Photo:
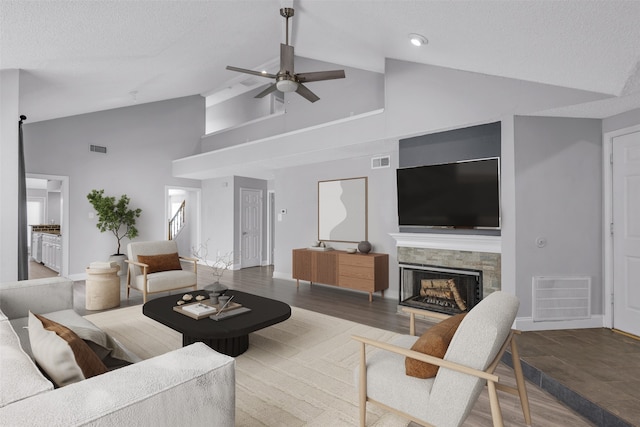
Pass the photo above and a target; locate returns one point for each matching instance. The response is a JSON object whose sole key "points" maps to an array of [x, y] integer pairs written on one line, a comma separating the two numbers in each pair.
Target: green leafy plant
{"points": [[113, 216]]}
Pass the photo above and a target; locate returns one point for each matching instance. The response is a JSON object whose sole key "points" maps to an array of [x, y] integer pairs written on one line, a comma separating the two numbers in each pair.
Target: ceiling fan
{"points": [[287, 80]]}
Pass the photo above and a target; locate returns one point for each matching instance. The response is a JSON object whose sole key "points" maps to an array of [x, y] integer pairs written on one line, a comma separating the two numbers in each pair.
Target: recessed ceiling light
{"points": [[417, 39]]}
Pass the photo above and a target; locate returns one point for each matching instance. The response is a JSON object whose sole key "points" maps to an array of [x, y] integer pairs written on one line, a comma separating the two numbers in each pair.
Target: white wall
{"points": [[425, 98], [237, 110], [141, 142], [218, 215], [558, 167], [297, 192], [9, 117], [54, 207]]}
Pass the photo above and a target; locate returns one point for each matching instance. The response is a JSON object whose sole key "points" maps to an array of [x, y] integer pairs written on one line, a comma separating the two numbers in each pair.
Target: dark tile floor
{"points": [[594, 371]]}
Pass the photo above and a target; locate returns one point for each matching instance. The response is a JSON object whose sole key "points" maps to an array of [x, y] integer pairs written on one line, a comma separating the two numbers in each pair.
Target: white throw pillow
{"points": [[64, 356]]}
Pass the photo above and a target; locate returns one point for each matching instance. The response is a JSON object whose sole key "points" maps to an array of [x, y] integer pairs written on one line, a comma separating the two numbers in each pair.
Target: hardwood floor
{"points": [[341, 303], [39, 271], [381, 313]]}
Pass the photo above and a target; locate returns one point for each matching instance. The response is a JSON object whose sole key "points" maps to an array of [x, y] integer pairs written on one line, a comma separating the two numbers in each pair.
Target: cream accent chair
{"points": [[140, 279], [471, 358]]}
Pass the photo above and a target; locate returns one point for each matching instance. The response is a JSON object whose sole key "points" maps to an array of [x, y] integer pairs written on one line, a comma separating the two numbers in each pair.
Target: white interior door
{"points": [[250, 227], [626, 238]]}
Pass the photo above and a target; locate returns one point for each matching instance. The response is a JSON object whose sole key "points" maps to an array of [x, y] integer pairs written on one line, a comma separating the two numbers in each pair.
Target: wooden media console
{"points": [[363, 272]]}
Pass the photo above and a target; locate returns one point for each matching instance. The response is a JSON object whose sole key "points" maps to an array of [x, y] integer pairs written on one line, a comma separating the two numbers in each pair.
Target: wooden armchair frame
{"points": [[492, 380], [145, 268]]}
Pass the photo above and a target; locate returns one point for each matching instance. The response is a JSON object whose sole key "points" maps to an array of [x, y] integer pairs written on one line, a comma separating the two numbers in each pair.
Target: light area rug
{"points": [[301, 373]]}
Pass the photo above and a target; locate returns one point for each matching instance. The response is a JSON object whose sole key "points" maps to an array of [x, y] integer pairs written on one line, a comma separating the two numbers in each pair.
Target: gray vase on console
{"points": [[364, 247]]}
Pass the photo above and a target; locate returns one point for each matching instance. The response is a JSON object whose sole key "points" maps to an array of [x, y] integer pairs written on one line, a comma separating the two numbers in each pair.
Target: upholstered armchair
{"points": [[471, 357], [156, 267]]}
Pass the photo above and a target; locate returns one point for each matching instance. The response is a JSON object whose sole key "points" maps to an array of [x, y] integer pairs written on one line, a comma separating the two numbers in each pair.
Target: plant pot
{"points": [[119, 259], [216, 287]]}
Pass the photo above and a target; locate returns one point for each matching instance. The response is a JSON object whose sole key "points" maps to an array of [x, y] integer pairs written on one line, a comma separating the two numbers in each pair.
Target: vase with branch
{"points": [[218, 265]]}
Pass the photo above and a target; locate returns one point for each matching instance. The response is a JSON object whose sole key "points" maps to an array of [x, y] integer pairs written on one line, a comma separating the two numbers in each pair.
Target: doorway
{"points": [[622, 241], [250, 227], [183, 220], [55, 202], [271, 226]]}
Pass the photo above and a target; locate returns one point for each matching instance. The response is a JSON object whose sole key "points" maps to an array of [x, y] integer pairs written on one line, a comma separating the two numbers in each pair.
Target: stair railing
{"points": [[177, 222]]}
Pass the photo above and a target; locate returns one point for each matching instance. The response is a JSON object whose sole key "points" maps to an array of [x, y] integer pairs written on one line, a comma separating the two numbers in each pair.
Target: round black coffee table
{"points": [[229, 336]]}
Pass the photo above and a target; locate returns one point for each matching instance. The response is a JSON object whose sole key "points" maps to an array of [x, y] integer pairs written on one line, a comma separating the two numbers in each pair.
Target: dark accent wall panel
{"points": [[475, 142]]}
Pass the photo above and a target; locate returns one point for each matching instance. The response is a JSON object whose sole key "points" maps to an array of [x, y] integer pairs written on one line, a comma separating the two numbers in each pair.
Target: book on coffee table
{"points": [[203, 309], [200, 309]]}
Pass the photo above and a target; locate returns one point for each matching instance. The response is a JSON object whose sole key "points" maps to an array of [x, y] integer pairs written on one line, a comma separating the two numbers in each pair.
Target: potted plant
{"points": [[115, 217]]}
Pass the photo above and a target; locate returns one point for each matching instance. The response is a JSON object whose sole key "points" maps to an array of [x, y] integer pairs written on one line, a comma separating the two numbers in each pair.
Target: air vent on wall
{"points": [[561, 298], [98, 149], [379, 162]]}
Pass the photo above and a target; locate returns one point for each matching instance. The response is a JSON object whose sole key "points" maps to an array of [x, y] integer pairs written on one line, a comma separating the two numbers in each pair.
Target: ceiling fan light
{"points": [[417, 39], [287, 86]]}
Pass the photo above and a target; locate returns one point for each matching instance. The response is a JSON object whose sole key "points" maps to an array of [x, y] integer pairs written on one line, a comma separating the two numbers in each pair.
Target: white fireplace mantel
{"points": [[454, 242]]}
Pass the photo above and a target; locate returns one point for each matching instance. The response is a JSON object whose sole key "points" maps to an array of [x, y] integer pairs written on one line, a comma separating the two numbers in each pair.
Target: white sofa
{"points": [[194, 385]]}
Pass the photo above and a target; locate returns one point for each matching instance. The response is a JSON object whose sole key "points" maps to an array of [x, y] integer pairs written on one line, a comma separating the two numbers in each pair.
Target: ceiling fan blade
{"points": [[320, 75], [286, 59], [306, 93], [267, 91], [255, 73]]}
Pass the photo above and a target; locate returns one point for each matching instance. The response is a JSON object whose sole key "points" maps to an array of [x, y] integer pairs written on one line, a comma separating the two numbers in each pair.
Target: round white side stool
{"points": [[102, 288]]}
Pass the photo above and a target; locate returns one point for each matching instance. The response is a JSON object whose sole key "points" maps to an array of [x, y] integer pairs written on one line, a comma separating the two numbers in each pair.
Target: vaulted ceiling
{"points": [[79, 57]]}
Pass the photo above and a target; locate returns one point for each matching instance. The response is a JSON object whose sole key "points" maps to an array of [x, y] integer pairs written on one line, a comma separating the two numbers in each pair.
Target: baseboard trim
{"points": [[283, 276], [527, 324], [77, 277]]}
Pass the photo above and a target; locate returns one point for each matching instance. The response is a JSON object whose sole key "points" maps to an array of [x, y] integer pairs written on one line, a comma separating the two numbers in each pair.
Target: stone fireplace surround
{"points": [[473, 252]]}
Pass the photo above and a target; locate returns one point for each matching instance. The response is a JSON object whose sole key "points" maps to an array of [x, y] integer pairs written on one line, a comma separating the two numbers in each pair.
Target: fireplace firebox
{"points": [[442, 289]]}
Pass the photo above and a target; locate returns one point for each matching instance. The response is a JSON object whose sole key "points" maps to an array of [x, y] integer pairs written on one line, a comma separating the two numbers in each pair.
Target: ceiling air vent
{"points": [[380, 162], [98, 149]]}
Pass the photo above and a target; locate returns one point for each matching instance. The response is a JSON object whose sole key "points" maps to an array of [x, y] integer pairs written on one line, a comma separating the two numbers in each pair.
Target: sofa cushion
{"points": [[20, 376], [382, 365], [166, 280], [112, 353], [62, 354], [433, 342], [162, 262], [38, 295]]}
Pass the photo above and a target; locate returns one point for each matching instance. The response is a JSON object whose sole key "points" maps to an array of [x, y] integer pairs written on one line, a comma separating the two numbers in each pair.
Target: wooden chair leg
{"points": [[522, 390], [363, 385], [496, 413], [412, 324]]}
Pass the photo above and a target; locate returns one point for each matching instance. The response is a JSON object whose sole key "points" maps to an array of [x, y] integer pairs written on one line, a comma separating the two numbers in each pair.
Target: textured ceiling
{"points": [[87, 56]]}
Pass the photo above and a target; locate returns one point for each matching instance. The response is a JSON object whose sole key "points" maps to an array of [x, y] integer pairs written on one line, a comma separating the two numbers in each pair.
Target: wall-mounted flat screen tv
{"points": [[453, 195]]}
